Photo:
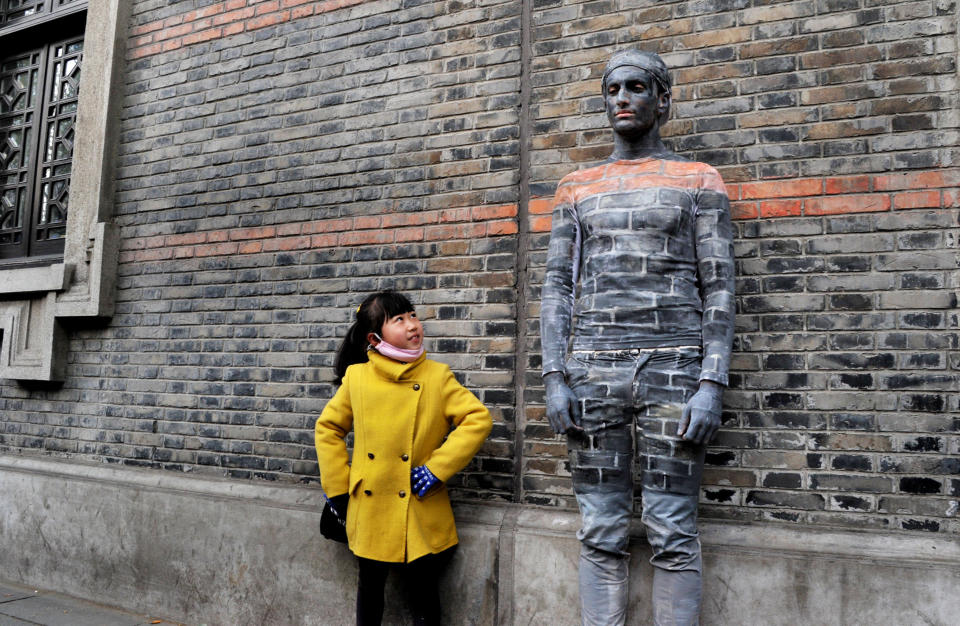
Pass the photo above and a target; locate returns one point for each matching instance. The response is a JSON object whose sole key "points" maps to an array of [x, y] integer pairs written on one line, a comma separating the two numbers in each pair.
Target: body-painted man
{"points": [[640, 277]]}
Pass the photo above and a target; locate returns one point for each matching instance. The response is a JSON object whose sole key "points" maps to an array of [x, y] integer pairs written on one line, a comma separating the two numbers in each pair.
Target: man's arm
{"points": [[556, 311], [714, 249]]}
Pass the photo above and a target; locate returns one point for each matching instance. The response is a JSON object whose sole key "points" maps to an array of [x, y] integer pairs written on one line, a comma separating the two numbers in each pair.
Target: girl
{"points": [[401, 406]]}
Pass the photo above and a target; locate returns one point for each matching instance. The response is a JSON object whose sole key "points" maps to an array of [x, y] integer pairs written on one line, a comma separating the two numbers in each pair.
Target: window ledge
{"points": [[40, 19], [32, 279]]}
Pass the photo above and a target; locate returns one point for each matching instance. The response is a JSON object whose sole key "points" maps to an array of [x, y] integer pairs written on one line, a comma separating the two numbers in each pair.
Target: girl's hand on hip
{"points": [[423, 480]]}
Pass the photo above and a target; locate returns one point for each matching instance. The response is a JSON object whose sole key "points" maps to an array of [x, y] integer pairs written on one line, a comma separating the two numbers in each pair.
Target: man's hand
{"points": [[563, 409], [701, 415]]}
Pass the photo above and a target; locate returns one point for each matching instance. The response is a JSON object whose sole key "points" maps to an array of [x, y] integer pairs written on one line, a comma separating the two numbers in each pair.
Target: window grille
{"points": [[39, 89]]}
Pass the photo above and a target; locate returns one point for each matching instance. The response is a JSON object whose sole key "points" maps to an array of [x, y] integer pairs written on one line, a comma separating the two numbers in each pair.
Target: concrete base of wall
{"points": [[207, 551]]}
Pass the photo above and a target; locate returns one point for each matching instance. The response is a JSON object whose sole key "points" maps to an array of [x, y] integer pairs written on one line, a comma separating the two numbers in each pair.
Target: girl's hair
{"points": [[372, 313]]}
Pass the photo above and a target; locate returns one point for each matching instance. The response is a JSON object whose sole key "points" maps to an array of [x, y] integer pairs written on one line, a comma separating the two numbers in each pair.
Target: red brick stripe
{"points": [[222, 19], [426, 226], [867, 193]]}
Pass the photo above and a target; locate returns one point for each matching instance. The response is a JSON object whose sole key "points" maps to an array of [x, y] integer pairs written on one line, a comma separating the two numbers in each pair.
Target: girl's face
{"points": [[403, 331]]}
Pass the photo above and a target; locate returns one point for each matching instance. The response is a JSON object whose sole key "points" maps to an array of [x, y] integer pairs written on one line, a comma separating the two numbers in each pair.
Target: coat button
{"points": [[370, 455], [403, 494], [368, 492], [404, 457], [416, 387]]}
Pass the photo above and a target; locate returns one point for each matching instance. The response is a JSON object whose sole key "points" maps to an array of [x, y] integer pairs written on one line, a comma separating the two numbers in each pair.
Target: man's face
{"points": [[632, 101]]}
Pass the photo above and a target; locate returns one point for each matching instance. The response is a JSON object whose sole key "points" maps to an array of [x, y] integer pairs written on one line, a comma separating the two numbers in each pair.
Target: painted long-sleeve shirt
{"points": [[641, 256]]}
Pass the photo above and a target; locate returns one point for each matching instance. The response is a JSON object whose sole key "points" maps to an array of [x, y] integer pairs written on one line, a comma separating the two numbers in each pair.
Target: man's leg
{"points": [[672, 470], [604, 583], [601, 461], [604, 487], [671, 521]]}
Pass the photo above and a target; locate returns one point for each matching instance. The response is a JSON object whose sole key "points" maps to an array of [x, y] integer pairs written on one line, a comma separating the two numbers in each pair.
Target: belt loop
{"points": [[642, 358]]}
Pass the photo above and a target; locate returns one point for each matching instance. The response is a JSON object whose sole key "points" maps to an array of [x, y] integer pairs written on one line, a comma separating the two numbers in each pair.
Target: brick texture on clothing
{"points": [[641, 256]]}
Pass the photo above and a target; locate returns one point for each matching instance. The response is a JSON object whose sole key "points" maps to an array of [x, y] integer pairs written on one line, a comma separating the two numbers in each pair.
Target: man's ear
{"points": [[664, 100]]}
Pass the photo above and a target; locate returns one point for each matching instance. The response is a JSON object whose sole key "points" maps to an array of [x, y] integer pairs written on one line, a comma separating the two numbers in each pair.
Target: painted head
{"points": [[636, 92], [385, 317]]}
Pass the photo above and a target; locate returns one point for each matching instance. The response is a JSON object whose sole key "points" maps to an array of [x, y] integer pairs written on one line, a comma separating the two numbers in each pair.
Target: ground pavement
{"points": [[28, 606]]}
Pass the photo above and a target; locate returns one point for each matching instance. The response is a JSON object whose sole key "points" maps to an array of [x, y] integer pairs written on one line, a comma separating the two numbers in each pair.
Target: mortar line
{"points": [[523, 243], [505, 565]]}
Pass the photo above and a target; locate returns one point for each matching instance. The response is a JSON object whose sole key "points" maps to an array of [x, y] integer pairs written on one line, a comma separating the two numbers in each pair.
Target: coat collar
{"points": [[390, 369]]}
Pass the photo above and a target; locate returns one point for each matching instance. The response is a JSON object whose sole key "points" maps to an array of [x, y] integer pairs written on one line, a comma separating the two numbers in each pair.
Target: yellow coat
{"points": [[400, 413]]}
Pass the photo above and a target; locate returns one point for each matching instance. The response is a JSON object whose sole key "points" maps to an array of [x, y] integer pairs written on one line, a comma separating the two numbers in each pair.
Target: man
{"points": [[640, 276]]}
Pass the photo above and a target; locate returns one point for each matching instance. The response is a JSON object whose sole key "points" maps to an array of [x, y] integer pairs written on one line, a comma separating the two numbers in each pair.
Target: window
{"points": [[58, 242], [41, 55]]}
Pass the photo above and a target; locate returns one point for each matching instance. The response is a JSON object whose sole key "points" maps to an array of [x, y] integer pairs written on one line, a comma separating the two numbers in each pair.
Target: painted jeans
{"points": [[631, 403]]}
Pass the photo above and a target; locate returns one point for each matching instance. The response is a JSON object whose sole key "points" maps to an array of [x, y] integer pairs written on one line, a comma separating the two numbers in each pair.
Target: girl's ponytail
{"points": [[352, 350], [371, 315]]}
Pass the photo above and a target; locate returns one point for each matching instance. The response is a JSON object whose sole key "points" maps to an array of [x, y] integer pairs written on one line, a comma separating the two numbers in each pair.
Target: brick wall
{"points": [[277, 162], [281, 159]]}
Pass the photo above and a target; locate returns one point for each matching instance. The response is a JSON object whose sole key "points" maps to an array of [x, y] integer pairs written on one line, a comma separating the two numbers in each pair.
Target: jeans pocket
{"points": [[688, 360]]}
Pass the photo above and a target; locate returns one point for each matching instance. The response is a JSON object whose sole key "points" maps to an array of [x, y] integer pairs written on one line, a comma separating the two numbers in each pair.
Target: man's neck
{"points": [[649, 146]]}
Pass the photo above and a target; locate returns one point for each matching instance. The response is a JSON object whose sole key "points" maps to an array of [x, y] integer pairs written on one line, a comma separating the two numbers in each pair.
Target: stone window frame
{"points": [[35, 302]]}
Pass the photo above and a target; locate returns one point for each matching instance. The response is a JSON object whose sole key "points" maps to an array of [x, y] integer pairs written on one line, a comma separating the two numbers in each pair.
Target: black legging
{"points": [[421, 579]]}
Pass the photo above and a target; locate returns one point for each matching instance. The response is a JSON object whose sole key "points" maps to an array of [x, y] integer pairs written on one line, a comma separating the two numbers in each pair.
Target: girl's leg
{"points": [[373, 576], [423, 581]]}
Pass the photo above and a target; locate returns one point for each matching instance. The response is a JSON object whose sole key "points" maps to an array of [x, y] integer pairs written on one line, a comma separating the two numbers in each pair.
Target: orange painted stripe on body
{"points": [[830, 195]]}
